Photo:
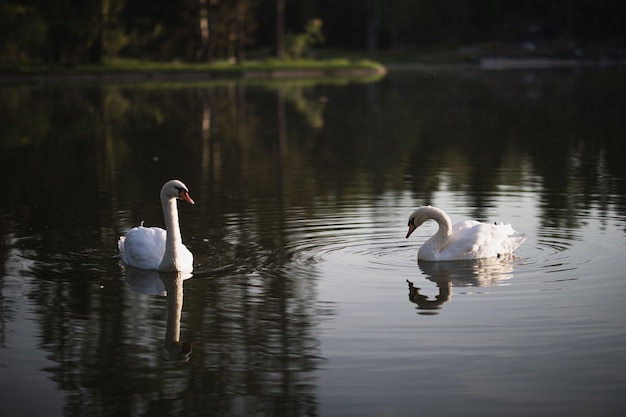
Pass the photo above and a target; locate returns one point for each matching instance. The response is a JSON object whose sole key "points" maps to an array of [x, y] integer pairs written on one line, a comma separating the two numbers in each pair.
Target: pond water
{"points": [[306, 298]]}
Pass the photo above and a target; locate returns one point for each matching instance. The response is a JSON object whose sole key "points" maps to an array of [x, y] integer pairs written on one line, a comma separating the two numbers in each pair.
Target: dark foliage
{"points": [[69, 32]]}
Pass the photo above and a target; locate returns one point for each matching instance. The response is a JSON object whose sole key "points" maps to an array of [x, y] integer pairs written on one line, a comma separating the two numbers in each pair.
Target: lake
{"points": [[306, 298]]}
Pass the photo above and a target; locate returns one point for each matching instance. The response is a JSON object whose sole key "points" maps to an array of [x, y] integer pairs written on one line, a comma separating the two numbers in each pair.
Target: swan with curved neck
{"points": [[468, 239], [155, 248]]}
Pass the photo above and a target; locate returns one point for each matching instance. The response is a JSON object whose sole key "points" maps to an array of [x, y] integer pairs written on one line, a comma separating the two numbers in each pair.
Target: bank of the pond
{"points": [[124, 70]]}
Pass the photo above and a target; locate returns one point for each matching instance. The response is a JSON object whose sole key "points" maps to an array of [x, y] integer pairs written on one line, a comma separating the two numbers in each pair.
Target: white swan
{"points": [[155, 248], [468, 239]]}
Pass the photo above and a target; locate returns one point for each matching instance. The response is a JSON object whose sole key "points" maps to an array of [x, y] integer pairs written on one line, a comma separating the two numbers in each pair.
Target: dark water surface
{"points": [[306, 299]]}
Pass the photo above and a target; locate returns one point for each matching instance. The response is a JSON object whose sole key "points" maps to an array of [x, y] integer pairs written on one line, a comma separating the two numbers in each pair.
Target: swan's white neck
{"points": [[440, 239], [444, 222], [173, 240]]}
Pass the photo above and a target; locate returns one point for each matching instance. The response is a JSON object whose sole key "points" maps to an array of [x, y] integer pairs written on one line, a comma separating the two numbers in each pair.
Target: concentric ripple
{"points": [[352, 244], [365, 242]]}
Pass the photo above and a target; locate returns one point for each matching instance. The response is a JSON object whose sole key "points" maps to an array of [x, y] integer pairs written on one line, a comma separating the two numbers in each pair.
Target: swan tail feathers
{"points": [[120, 246], [516, 240]]}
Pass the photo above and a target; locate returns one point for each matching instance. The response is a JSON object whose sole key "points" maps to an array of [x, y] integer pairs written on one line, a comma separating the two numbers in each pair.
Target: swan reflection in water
{"points": [[169, 284], [471, 273]]}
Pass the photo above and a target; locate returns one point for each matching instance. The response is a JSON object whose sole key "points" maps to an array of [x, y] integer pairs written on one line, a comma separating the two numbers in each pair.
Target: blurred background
{"points": [[70, 32], [306, 298]]}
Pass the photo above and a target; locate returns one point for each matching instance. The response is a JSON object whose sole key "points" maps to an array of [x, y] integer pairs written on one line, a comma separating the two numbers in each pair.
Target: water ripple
{"points": [[353, 245]]}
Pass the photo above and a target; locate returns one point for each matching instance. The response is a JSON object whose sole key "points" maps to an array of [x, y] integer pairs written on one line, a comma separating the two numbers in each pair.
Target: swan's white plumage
{"points": [[155, 248], [465, 240], [143, 247]]}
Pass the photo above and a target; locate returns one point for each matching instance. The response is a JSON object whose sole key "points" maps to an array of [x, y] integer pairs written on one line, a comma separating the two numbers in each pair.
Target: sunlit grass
{"points": [[270, 66]]}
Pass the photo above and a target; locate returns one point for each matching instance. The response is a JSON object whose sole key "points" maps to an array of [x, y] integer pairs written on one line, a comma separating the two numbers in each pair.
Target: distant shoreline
{"points": [[137, 71], [538, 62], [147, 71]]}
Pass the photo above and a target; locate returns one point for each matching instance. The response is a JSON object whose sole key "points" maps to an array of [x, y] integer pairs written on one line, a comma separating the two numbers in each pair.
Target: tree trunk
{"points": [[202, 51], [373, 22], [280, 29], [240, 23], [96, 52]]}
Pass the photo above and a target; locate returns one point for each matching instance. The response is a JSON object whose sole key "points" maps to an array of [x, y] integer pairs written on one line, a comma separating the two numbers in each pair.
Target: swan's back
{"points": [[470, 239], [143, 247]]}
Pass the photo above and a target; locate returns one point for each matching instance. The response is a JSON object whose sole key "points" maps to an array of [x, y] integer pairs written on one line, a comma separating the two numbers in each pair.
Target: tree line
{"points": [[69, 32]]}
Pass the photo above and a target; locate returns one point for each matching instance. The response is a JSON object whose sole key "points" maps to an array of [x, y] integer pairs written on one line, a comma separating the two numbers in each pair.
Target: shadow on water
{"points": [[245, 343], [461, 274], [169, 284]]}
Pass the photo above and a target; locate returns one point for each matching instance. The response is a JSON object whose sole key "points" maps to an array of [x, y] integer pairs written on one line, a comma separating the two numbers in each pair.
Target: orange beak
{"points": [[184, 195], [411, 229]]}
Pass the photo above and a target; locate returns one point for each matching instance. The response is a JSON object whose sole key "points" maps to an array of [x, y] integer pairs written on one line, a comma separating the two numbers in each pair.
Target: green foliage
{"points": [[72, 32], [22, 32], [298, 44], [113, 34], [114, 41]]}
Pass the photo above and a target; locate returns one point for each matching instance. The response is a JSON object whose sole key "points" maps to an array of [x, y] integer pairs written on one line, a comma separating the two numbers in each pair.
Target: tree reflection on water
{"points": [[84, 161]]}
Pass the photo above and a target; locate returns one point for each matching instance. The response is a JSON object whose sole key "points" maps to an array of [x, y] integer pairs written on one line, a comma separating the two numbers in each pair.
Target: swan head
{"points": [[415, 221], [175, 189], [418, 217]]}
